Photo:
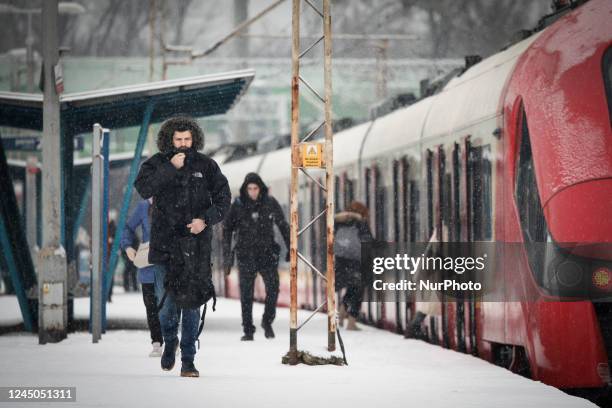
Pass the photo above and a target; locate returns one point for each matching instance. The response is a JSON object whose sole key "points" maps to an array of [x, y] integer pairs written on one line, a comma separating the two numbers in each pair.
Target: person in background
{"points": [[351, 229], [130, 271], [112, 228], [141, 217], [252, 216]]}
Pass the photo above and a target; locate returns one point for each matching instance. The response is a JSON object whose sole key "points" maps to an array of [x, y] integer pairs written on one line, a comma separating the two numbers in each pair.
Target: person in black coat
{"points": [[253, 216], [190, 195]]}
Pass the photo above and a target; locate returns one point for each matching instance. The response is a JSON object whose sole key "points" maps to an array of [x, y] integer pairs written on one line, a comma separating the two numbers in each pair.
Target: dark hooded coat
{"points": [[253, 222], [197, 190]]}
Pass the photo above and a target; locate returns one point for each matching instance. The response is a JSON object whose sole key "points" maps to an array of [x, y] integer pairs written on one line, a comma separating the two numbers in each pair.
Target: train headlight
{"points": [[569, 273], [602, 278]]}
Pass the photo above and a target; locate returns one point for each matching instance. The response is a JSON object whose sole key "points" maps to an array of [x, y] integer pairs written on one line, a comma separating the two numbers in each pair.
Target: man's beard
{"points": [[187, 151]]}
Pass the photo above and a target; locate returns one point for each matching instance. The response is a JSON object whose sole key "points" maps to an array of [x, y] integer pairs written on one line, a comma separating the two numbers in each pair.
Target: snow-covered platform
{"points": [[384, 369]]}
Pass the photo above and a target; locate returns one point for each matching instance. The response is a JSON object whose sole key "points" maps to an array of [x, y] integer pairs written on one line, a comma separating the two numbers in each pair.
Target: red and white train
{"points": [[518, 148]]}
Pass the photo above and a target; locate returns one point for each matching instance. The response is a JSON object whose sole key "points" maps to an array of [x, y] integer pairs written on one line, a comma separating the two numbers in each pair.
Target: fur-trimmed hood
{"points": [[181, 124]]}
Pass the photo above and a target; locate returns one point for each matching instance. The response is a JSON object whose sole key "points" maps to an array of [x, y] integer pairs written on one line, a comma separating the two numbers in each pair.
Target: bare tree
{"points": [[454, 28], [448, 28]]}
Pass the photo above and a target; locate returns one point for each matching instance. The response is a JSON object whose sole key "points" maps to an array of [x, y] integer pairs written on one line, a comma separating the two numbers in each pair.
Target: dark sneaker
{"points": [[268, 332], [169, 355], [247, 337], [189, 370]]}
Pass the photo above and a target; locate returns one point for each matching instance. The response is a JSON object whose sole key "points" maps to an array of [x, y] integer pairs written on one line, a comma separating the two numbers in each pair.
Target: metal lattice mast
{"points": [[312, 155]]}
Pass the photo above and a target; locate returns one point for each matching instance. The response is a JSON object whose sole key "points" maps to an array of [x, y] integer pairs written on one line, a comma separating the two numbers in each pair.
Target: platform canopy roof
{"points": [[124, 106]]}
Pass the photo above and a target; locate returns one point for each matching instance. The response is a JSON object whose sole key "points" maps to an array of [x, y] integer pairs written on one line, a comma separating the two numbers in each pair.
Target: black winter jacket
{"points": [[253, 222], [197, 190]]}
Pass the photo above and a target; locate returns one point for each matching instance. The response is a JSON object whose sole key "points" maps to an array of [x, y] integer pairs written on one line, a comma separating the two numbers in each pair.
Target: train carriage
{"points": [[516, 149]]}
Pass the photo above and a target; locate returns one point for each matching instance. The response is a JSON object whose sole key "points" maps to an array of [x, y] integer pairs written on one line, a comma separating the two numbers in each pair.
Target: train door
{"points": [[398, 232], [366, 305], [445, 234], [386, 199], [376, 202], [402, 229], [411, 227], [480, 195], [460, 232], [432, 307], [378, 213], [445, 321]]}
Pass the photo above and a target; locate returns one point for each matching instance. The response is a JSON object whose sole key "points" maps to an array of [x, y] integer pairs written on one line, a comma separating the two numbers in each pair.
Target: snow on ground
{"points": [[127, 307], [384, 369], [10, 314]]}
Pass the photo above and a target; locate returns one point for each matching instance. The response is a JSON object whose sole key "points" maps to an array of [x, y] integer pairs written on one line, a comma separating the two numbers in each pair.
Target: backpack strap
{"points": [[201, 328]]}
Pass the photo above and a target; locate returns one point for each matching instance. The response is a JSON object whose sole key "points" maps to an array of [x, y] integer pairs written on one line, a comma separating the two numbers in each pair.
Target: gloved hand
{"points": [[227, 269], [288, 257]]}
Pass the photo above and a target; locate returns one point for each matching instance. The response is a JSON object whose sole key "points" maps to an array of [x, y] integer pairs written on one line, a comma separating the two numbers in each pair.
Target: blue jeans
{"points": [[170, 315]]}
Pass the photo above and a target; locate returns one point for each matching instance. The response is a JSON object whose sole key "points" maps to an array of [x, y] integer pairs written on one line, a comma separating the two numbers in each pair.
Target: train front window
{"points": [[528, 202], [531, 213]]}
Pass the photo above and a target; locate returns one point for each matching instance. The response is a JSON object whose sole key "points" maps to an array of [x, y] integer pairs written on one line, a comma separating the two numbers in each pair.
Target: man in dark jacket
{"points": [[252, 216], [189, 196]]}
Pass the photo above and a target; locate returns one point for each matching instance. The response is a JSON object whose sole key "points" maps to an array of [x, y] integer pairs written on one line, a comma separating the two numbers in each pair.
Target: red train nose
{"points": [[581, 215]]}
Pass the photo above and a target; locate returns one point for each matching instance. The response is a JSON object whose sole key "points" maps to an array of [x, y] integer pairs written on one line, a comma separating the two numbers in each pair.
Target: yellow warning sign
{"points": [[312, 154]]}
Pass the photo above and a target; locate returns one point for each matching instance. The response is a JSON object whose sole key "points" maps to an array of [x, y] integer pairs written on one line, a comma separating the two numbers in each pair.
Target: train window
{"points": [[430, 218], [531, 213], [444, 196], [436, 194], [407, 203], [398, 202], [607, 70], [479, 162], [410, 203], [413, 218], [301, 216], [349, 190], [311, 231], [338, 199], [368, 181], [530, 209], [370, 197], [380, 203], [455, 233], [322, 228]]}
